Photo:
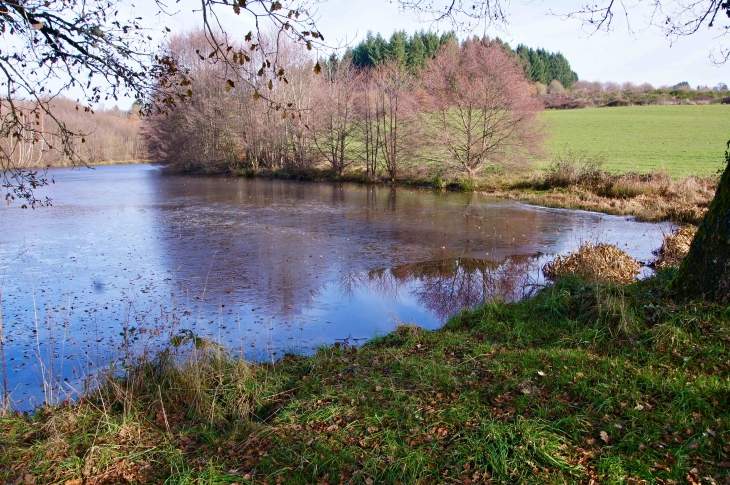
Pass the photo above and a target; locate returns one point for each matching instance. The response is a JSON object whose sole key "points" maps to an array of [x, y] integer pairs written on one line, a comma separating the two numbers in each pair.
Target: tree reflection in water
{"points": [[445, 286]]}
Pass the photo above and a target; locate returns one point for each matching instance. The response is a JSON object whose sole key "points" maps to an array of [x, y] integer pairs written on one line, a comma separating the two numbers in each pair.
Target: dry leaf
{"points": [[76, 481], [604, 437], [639, 407], [541, 373], [378, 388]]}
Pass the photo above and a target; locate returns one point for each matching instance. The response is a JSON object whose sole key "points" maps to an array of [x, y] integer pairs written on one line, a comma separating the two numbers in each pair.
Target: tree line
{"points": [[469, 108], [414, 51], [109, 135]]}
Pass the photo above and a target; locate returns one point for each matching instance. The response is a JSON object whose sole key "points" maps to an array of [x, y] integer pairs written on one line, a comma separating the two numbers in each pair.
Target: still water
{"points": [[128, 256]]}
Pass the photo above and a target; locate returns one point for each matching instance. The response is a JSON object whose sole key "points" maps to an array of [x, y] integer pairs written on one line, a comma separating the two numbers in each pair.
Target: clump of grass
{"points": [[675, 247], [601, 263], [570, 168], [193, 381]]}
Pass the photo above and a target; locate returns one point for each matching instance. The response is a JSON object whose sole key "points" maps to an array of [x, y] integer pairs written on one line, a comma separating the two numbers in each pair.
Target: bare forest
{"points": [[384, 122], [107, 135]]}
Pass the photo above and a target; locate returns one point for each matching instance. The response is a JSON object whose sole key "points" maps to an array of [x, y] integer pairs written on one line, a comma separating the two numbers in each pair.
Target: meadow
{"points": [[681, 140]]}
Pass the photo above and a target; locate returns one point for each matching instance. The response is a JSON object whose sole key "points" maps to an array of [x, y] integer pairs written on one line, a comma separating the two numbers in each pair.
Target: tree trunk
{"points": [[705, 272]]}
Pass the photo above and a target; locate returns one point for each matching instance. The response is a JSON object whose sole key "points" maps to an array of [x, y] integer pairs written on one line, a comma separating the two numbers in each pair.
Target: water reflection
{"points": [[445, 286], [261, 265]]}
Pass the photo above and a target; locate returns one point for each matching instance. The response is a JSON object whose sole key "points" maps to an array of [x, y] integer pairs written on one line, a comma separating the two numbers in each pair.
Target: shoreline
{"points": [[652, 197], [491, 397]]}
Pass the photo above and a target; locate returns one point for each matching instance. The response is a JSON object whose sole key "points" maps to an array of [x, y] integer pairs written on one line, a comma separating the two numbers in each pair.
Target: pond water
{"points": [[128, 256]]}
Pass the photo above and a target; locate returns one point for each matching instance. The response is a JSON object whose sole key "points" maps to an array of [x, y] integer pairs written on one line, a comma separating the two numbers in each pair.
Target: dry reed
{"points": [[675, 247], [602, 263]]}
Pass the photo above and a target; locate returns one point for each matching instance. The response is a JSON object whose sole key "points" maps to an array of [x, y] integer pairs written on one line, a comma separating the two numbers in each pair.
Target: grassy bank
{"points": [[582, 384], [678, 140]]}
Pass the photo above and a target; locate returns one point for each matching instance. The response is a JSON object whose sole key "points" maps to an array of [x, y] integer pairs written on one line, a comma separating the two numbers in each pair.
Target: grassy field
{"points": [[683, 140], [615, 385]]}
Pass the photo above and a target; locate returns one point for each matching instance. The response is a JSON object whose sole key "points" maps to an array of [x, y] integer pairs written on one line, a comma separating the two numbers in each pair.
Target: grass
{"points": [[681, 140], [583, 383]]}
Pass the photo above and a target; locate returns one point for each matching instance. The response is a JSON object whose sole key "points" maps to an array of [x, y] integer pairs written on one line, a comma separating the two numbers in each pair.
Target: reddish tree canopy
{"points": [[482, 101]]}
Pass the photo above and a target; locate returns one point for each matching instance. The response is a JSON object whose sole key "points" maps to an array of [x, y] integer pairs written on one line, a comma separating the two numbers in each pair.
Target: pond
{"points": [[128, 256]]}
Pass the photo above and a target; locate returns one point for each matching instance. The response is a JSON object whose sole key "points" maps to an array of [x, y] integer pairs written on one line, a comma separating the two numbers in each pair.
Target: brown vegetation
{"points": [[102, 136], [576, 181], [675, 247], [602, 263]]}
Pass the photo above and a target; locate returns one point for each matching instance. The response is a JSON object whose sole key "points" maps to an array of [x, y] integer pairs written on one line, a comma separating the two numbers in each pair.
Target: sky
{"points": [[638, 56]]}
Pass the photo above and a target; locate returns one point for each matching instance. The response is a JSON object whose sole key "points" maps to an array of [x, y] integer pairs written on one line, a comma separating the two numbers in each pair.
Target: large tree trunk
{"points": [[705, 272]]}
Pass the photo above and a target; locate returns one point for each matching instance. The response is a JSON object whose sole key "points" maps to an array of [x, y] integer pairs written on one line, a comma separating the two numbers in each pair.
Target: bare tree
{"points": [[396, 116], [369, 123], [225, 127], [335, 112], [482, 103]]}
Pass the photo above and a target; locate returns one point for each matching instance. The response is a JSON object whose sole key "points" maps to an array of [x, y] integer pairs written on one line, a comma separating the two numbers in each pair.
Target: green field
{"points": [[683, 140]]}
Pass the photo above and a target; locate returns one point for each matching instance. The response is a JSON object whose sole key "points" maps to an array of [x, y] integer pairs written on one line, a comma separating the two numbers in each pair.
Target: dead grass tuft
{"points": [[675, 247], [602, 263]]}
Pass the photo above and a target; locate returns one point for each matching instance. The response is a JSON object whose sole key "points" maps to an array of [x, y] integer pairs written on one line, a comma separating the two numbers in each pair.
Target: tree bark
{"points": [[705, 272]]}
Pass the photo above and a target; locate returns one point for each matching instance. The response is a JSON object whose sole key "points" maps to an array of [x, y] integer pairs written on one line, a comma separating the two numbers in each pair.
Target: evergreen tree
{"points": [[416, 53], [397, 47], [538, 73], [431, 42]]}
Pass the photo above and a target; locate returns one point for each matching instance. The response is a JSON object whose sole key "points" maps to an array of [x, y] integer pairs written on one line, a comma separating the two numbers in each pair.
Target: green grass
{"points": [[617, 384], [681, 140]]}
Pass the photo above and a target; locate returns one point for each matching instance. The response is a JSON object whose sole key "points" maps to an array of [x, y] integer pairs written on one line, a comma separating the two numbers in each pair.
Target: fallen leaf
{"points": [[639, 407], [541, 373], [76, 481], [604, 437], [372, 429], [378, 388]]}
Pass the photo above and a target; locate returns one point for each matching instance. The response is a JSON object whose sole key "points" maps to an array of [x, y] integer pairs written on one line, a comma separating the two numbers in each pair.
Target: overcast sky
{"points": [[643, 56]]}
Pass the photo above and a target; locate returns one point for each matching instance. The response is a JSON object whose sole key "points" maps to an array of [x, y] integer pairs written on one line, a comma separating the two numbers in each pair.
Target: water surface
{"points": [[127, 256]]}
